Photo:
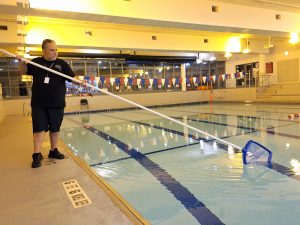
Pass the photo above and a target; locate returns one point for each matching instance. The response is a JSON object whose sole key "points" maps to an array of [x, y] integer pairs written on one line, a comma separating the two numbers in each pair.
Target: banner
{"points": [[102, 80], [223, 77], [112, 81], [151, 82], [174, 81], [195, 80]]}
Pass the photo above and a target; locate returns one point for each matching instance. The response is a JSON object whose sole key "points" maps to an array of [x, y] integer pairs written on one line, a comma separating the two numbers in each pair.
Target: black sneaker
{"points": [[55, 154], [37, 160]]}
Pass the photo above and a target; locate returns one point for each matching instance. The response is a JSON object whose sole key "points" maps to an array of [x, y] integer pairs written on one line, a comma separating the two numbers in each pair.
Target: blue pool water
{"points": [[160, 168]]}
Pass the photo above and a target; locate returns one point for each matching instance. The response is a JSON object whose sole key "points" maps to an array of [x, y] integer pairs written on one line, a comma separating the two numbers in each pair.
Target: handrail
{"points": [[263, 84], [24, 104]]}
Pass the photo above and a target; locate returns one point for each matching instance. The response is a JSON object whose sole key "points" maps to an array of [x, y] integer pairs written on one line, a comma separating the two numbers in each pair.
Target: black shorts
{"points": [[45, 118]]}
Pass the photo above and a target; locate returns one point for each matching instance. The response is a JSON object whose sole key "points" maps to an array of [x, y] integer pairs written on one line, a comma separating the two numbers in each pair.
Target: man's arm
{"points": [[22, 65]]}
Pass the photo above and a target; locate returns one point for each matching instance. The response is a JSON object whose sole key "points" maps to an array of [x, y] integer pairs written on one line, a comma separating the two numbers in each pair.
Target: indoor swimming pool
{"points": [[171, 177]]}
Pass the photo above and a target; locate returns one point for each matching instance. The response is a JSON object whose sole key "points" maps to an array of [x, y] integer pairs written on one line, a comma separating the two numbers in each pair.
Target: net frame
{"points": [[247, 158]]}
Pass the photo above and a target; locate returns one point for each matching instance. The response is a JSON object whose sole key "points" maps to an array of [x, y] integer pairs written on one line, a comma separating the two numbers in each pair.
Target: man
{"points": [[48, 100]]}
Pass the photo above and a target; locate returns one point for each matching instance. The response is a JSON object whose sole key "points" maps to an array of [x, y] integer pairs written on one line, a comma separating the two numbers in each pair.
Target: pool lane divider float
{"points": [[293, 116], [254, 151]]}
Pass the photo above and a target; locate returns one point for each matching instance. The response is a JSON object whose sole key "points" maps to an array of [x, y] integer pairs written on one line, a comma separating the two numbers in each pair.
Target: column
{"points": [[183, 76], [262, 69]]}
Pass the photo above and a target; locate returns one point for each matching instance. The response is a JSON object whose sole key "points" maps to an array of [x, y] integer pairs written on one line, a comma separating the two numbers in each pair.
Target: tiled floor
{"points": [[36, 196]]}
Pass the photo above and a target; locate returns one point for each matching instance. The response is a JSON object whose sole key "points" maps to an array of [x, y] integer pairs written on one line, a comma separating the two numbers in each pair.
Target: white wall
{"points": [[145, 99], [105, 102], [276, 54], [2, 115], [234, 95], [15, 106], [1, 105]]}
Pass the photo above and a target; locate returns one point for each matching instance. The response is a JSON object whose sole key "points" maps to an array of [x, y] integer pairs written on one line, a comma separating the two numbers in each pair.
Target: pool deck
{"points": [[36, 196]]}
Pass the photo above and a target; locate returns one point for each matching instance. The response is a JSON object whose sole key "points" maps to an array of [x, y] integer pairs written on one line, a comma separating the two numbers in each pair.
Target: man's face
{"points": [[50, 52]]}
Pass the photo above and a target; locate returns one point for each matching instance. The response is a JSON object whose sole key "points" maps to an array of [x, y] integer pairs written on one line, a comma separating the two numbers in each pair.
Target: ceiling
{"points": [[8, 12], [173, 26], [279, 5]]}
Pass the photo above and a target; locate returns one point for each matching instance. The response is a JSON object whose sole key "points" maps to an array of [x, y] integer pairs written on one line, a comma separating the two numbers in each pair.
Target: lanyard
{"points": [[49, 67]]}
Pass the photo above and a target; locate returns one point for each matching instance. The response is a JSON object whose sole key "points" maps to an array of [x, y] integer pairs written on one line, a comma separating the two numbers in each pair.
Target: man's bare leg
{"points": [[54, 153], [53, 139], [38, 139]]}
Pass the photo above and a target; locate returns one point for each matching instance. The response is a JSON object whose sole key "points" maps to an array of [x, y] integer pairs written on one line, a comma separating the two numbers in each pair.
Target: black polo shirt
{"points": [[51, 91]]}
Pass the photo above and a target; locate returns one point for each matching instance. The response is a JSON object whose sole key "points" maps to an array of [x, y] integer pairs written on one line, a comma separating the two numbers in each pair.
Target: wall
{"points": [[66, 33], [234, 95], [105, 102], [16, 106], [145, 99], [276, 54], [2, 114], [164, 98]]}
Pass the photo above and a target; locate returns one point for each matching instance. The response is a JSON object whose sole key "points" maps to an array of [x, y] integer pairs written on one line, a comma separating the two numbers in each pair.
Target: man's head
{"points": [[49, 50]]}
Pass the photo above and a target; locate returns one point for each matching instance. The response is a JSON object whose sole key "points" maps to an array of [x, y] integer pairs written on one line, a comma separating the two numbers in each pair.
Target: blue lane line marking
{"points": [[210, 122], [201, 213], [222, 114], [222, 146], [258, 111], [269, 130], [221, 124], [275, 166], [149, 153]]}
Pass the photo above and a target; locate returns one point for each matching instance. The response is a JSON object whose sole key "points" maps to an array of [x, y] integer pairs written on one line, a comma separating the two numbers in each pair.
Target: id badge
{"points": [[47, 79]]}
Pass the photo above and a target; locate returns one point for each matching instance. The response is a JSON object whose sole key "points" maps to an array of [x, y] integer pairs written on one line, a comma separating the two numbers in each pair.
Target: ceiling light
{"points": [[198, 61], [246, 50], [212, 58], [294, 38], [228, 54], [233, 45]]}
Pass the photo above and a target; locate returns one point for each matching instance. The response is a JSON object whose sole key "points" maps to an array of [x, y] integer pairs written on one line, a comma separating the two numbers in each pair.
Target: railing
{"points": [[263, 84], [26, 109]]}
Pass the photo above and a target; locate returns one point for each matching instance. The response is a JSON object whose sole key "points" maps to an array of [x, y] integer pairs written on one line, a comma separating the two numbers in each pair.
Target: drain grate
{"points": [[76, 194]]}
